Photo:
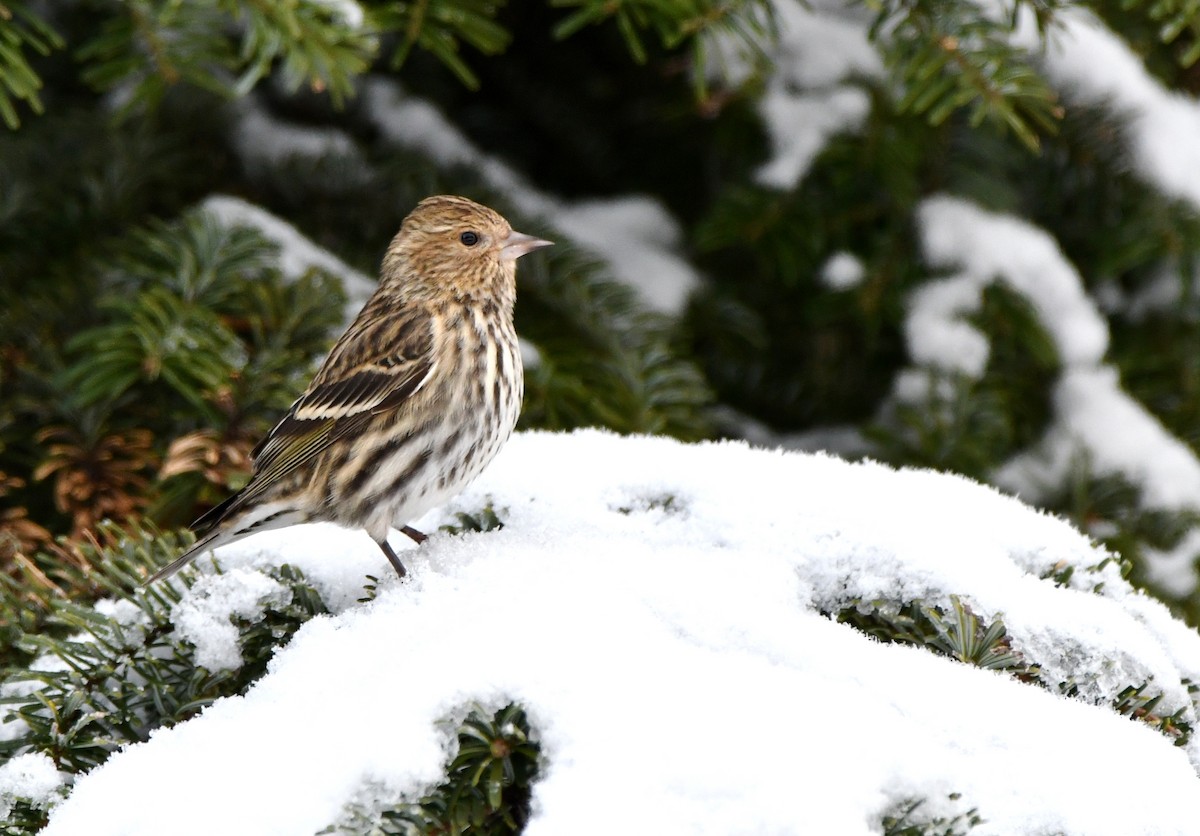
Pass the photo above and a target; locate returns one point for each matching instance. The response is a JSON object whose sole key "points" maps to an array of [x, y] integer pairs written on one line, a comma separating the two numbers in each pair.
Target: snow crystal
{"points": [[204, 616], [842, 271], [297, 253], [32, 777], [641, 588], [123, 612], [635, 235]]}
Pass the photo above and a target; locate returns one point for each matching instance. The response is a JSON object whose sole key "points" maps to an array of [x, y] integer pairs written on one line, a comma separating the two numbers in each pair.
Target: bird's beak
{"points": [[518, 243]]}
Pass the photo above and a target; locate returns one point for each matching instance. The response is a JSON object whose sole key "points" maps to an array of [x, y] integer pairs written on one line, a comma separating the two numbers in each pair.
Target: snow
{"points": [[1097, 419], [823, 48], [1094, 66], [655, 607], [204, 617], [32, 777], [263, 142], [842, 271], [636, 237], [989, 246], [297, 253], [935, 331], [806, 102], [348, 12], [1174, 569], [1094, 417], [822, 115]]}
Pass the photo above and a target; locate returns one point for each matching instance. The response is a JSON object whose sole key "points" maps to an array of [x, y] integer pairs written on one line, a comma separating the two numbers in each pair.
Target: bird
{"points": [[411, 403]]}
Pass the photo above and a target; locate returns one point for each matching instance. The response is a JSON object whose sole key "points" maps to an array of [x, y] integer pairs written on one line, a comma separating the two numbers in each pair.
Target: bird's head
{"points": [[450, 244]]}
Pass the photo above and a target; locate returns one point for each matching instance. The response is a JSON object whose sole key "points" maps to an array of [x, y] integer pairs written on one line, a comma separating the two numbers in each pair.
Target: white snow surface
{"points": [[32, 777], [656, 607], [203, 618]]}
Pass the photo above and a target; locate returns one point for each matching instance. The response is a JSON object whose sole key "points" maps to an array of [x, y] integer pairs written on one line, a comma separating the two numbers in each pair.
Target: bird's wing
{"points": [[375, 366]]}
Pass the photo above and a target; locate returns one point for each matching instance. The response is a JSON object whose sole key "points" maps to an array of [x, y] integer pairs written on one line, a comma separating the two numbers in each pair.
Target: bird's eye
{"points": [[469, 238]]}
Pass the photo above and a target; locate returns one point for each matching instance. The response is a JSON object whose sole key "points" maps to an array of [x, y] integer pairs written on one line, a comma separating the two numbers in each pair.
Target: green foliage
{"points": [[438, 27], [906, 819], [1175, 18], [602, 359], [955, 55], [180, 325], [108, 678], [23, 819], [487, 786], [485, 519], [20, 28], [1140, 703], [1112, 510], [967, 425], [773, 341], [189, 43], [961, 635], [145, 48], [154, 335], [749, 23]]}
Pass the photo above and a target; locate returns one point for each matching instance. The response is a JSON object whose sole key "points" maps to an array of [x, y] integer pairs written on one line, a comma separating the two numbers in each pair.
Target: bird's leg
{"points": [[391, 556], [417, 536]]}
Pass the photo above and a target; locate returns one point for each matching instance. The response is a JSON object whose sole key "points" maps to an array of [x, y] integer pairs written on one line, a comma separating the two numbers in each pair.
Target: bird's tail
{"points": [[229, 522]]}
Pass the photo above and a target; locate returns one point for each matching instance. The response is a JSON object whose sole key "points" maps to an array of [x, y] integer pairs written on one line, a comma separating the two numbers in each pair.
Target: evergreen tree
{"points": [[149, 336]]}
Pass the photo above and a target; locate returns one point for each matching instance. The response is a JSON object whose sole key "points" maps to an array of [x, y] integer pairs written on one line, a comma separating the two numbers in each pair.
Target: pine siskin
{"points": [[413, 401]]}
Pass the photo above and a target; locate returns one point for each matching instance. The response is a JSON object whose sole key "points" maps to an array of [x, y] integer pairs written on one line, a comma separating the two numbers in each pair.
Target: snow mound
{"points": [[657, 609]]}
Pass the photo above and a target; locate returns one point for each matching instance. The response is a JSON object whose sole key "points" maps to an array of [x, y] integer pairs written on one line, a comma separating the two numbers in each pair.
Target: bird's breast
{"points": [[444, 437]]}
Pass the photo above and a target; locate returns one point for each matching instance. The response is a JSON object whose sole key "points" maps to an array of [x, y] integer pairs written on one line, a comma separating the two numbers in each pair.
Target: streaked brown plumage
{"points": [[413, 401]]}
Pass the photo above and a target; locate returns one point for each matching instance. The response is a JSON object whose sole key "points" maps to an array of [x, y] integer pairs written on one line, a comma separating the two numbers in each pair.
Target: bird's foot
{"points": [[392, 558]]}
